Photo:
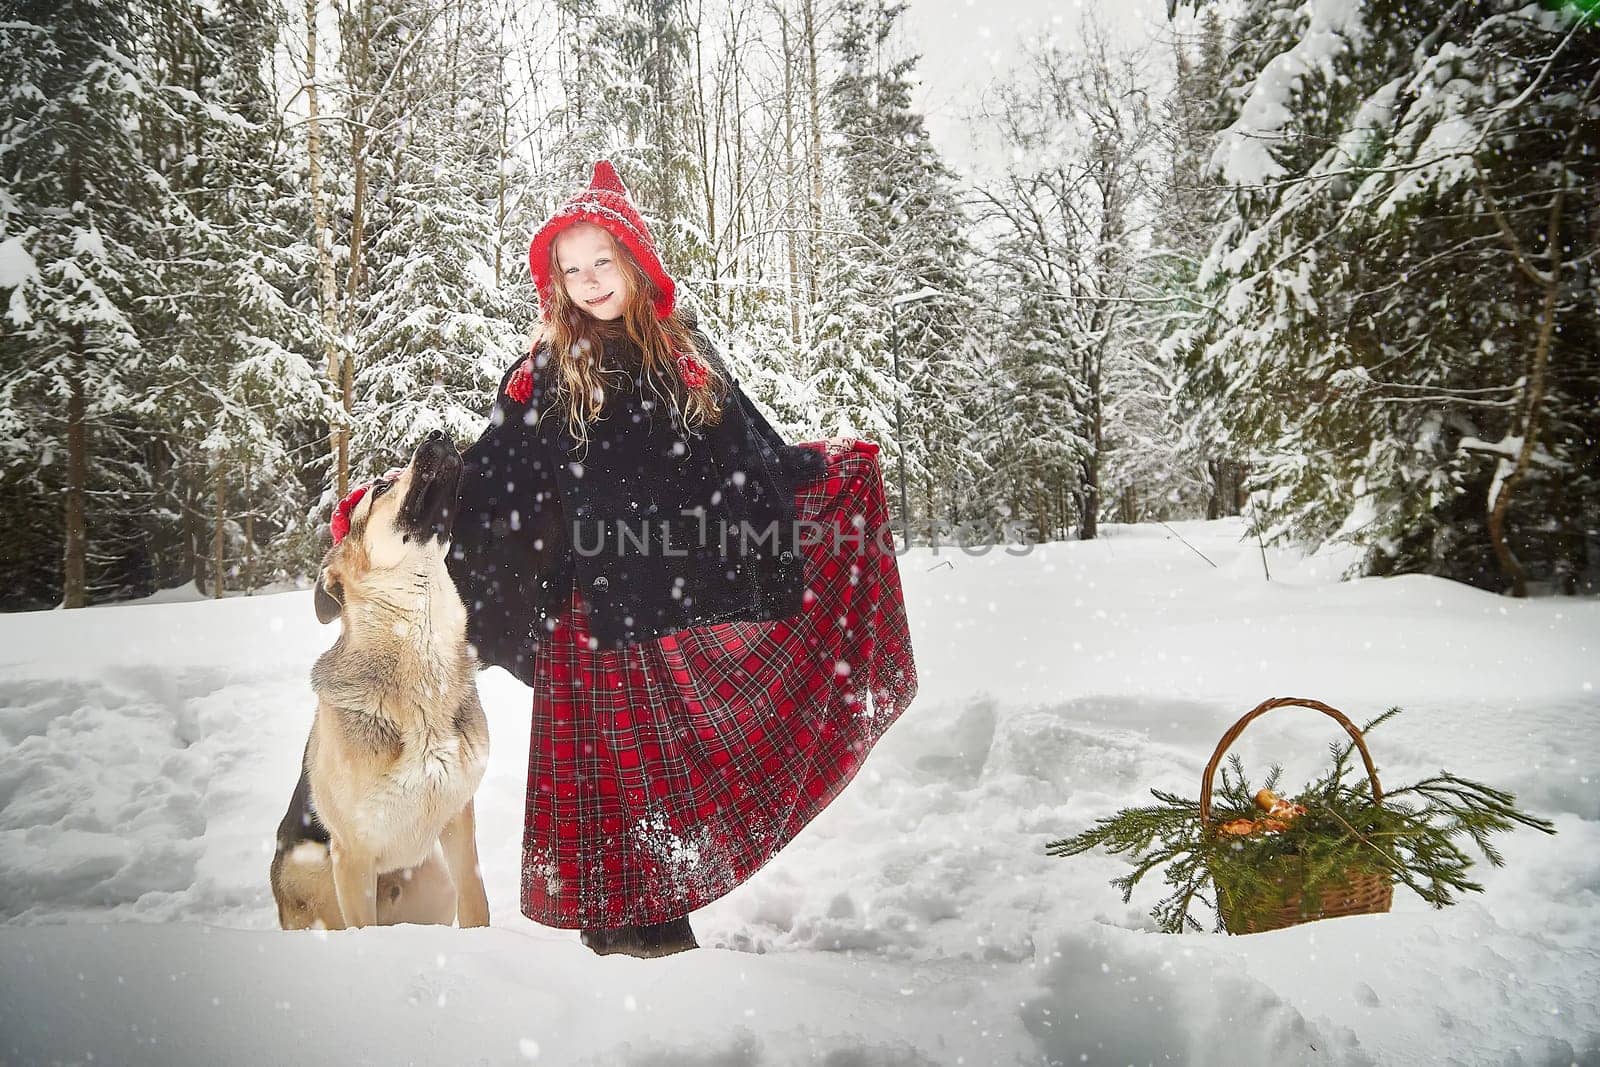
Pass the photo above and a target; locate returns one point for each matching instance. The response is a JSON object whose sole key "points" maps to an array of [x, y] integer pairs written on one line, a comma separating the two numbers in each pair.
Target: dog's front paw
{"points": [[472, 910]]}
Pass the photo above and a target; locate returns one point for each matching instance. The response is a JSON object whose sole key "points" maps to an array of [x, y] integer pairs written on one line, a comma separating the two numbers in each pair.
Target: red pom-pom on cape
{"points": [[692, 371], [520, 387]]}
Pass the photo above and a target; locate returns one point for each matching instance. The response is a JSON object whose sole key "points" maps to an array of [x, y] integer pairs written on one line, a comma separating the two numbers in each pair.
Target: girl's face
{"points": [[586, 260]]}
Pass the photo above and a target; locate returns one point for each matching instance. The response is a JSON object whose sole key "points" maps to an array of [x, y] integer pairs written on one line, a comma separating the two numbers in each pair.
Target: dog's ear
{"points": [[329, 598]]}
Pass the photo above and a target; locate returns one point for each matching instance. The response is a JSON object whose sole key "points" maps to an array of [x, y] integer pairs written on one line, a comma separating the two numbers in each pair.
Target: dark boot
{"points": [[646, 942], [620, 939], [663, 939]]}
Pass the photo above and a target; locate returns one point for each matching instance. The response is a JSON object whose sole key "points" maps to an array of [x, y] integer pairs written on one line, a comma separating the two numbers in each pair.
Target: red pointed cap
{"points": [[606, 178], [605, 203]]}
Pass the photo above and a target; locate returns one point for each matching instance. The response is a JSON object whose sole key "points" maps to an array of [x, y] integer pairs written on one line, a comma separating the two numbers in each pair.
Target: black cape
{"points": [[536, 514]]}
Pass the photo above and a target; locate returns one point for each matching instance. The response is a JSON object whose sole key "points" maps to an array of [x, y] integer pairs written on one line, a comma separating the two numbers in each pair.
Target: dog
{"points": [[380, 828]]}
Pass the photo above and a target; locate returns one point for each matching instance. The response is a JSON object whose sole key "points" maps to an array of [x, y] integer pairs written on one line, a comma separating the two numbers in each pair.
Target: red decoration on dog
{"points": [[340, 524]]}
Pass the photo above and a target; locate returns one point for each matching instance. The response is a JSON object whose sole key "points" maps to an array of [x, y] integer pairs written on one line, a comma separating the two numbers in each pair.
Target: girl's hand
{"points": [[837, 445]]}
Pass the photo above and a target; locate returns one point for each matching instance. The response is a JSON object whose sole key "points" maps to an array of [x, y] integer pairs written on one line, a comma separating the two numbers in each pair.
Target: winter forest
{"points": [[1325, 265]]}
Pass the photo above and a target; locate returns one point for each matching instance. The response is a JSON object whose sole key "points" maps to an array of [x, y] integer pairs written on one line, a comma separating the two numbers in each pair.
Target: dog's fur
{"points": [[380, 828]]}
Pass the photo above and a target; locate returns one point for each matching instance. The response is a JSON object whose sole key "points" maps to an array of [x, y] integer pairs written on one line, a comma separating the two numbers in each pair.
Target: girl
{"points": [[710, 619]]}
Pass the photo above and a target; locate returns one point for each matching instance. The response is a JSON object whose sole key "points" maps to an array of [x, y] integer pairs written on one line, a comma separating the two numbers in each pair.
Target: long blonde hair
{"points": [[576, 343]]}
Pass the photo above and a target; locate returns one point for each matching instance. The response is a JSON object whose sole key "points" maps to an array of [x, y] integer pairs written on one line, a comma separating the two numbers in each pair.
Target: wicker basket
{"points": [[1361, 891]]}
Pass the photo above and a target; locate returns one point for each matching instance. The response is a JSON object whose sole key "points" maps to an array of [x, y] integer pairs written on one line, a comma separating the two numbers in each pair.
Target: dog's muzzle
{"points": [[430, 505]]}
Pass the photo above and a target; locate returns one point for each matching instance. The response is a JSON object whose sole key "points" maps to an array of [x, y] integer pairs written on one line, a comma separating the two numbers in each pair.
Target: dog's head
{"points": [[397, 524]]}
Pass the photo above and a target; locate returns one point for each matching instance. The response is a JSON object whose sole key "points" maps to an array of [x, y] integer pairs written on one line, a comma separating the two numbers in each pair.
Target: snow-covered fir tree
{"points": [[435, 328], [81, 214], [898, 295], [1079, 134], [587, 89], [1407, 309], [234, 398], [1188, 464], [652, 44]]}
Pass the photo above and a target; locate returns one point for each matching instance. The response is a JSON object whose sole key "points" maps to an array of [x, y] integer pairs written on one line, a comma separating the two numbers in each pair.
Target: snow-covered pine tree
{"points": [[230, 381], [931, 311], [591, 82], [1491, 174], [762, 355], [434, 330], [1403, 335], [849, 363], [851, 356], [1034, 425], [277, 398], [1079, 135], [652, 43], [78, 217], [1187, 468], [900, 286], [1031, 426], [746, 289]]}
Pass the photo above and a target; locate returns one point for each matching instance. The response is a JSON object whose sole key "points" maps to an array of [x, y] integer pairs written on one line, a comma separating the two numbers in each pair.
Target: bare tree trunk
{"points": [[1530, 433], [353, 278], [1089, 526], [75, 551], [928, 498], [790, 187], [191, 569], [735, 293], [706, 142], [192, 535], [249, 533], [74, 592], [1571, 566], [325, 280], [218, 543], [1550, 280], [814, 236], [500, 160]]}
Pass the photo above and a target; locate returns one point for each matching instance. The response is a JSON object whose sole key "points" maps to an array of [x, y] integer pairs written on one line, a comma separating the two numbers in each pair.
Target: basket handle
{"points": [[1261, 709]]}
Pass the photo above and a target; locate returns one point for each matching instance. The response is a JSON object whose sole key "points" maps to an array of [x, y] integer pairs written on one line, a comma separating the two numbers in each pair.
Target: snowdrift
{"points": [[149, 751]]}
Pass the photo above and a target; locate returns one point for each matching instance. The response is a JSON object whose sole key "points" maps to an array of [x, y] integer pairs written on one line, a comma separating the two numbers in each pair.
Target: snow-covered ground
{"points": [[149, 751]]}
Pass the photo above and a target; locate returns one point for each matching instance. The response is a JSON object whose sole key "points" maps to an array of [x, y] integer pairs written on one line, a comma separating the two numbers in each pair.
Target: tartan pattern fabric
{"points": [[663, 774]]}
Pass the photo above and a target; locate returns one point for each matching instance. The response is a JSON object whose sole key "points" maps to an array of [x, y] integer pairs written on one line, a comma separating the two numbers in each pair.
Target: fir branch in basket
{"points": [[1409, 837]]}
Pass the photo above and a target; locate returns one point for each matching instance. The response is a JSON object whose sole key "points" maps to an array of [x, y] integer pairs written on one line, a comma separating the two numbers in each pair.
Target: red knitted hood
{"points": [[604, 203]]}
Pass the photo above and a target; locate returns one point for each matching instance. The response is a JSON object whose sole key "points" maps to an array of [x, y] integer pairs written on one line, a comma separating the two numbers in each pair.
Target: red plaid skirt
{"points": [[663, 774]]}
